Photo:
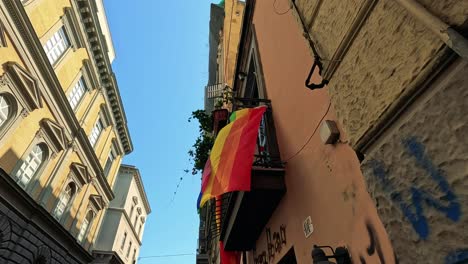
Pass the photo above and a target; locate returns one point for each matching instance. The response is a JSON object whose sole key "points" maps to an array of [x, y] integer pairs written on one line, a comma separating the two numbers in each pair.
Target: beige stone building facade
{"points": [[124, 219], [63, 130]]}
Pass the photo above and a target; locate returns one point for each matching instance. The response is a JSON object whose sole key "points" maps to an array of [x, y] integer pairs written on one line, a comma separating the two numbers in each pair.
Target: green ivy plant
{"points": [[200, 151]]}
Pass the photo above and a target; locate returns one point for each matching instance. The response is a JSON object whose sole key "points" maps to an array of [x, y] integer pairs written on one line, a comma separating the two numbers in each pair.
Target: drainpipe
{"points": [[447, 34]]}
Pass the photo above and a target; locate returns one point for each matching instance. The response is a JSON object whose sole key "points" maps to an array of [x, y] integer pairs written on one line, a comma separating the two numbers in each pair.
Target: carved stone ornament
{"points": [[54, 133], [25, 84], [24, 112]]}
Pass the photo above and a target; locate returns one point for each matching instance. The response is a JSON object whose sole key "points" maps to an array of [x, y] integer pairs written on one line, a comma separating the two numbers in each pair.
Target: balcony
{"points": [[244, 214]]}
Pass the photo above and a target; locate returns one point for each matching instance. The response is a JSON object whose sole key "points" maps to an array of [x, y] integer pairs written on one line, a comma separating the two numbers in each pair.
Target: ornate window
{"points": [[65, 200], [5, 110], [56, 46], [77, 93], [96, 132], [31, 165], [85, 226]]}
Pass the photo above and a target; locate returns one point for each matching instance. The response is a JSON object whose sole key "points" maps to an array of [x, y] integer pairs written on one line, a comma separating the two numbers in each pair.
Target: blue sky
{"points": [[162, 66]]}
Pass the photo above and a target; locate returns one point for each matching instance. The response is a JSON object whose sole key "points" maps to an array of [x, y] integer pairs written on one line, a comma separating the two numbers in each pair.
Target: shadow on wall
{"points": [[9, 160]]}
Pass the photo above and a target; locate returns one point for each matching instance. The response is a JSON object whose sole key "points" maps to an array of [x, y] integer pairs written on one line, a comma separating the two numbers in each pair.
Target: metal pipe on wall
{"points": [[447, 34]]}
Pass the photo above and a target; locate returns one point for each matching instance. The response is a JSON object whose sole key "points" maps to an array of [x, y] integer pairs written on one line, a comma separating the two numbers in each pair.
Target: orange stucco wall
{"points": [[324, 181]]}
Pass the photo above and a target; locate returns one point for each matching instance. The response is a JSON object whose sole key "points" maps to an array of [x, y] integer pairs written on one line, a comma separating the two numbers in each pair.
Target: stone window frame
{"points": [[95, 204], [63, 217], [108, 166], [13, 114], [38, 173], [22, 90], [88, 228], [104, 117], [72, 85], [89, 80], [80, 176], [52, 136], [72, 31]]}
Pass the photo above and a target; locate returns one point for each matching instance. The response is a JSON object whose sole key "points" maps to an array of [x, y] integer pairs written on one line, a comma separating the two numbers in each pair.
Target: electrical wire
{"points": [[310, 138], [280, 13], [178, 185], [167, 256]]}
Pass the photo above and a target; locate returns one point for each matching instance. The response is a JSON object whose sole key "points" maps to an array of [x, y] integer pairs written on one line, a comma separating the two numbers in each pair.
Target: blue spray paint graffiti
{"points": [[457, 257], [414, 211]]}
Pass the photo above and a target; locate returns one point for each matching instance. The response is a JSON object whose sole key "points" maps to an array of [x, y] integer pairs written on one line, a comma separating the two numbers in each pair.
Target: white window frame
{"points": [[109, 162], [65, 200], [6, 109], [77, 93], [26, 164], [96, 132], [85, 226], [57, 45]]}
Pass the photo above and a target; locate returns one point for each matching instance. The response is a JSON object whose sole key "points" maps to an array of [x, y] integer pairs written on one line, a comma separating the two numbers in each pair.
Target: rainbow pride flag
{"points": [[230, 163]]}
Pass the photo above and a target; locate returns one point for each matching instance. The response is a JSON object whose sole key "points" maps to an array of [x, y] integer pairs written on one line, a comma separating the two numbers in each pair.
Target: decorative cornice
{"points": [[88, 12], [136, 174]]}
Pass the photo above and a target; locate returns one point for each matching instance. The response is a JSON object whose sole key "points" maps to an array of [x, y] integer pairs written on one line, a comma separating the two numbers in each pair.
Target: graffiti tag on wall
{"points": [[413, 209], [448, 204], [275, 244]]}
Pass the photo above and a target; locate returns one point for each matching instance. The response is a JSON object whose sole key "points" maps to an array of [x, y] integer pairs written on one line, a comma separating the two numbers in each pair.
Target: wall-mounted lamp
{"points": [[341, 255]]}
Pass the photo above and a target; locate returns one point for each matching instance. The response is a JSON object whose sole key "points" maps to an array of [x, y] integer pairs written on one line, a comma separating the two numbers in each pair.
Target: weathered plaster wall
{"points": [[331, 23], [390, 51], [389, 56], [418, 175]]}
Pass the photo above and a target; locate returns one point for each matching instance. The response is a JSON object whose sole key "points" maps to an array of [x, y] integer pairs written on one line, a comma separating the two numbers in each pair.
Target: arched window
{"points": [[85, 226], [5, 109], [31, 165], [65, 200]]}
